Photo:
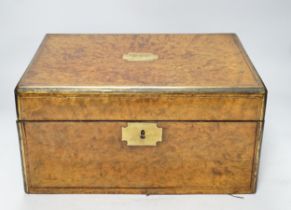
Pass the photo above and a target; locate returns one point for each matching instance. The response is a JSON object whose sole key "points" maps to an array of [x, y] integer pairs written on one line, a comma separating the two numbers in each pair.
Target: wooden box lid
{"points": [[69, 72]]}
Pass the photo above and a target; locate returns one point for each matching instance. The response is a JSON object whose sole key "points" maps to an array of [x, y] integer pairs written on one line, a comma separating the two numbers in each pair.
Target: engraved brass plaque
{"points": [[140, 56], [142, 134]]}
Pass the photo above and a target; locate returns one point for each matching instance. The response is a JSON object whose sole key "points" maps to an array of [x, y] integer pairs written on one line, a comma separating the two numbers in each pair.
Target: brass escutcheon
{"points": [[141, 134]]}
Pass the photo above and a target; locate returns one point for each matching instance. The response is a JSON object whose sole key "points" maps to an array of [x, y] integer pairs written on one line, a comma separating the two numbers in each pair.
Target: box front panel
{"points": [[90, 157]]}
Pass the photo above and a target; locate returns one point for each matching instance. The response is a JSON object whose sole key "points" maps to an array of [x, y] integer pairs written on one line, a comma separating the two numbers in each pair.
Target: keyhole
{"points": [[142, 134]]}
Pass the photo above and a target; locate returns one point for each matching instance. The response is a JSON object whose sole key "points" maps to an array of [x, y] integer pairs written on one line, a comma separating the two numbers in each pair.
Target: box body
{"points": [[151, 114]]}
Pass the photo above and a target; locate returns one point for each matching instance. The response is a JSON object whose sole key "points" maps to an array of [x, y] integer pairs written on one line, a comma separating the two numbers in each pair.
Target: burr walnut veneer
{"points": [[147, 113]]}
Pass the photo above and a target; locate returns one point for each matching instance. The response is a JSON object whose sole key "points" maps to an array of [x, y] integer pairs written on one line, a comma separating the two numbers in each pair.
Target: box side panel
{"points": [[22, 146], [146, 106], [257, 153], [258, 146], [89, 157]]}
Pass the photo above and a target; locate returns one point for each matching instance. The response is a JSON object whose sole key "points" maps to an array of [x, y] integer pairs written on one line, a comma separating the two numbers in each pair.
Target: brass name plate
{"points": [[140, 56], [142, 134]]}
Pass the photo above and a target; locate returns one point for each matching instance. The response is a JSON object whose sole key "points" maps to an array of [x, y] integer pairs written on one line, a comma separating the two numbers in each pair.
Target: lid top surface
{"points": [[157, 60]]}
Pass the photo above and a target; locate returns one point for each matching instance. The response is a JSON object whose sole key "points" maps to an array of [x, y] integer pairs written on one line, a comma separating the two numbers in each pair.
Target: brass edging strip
{"points": [[138, 89], [128, 120], [18, 106], [262, 107]]}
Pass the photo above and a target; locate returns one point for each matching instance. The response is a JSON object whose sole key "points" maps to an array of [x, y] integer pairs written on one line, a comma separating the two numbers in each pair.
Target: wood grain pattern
{"points": [[184, 60], [158, 106], [202, 90], [201, 157]]}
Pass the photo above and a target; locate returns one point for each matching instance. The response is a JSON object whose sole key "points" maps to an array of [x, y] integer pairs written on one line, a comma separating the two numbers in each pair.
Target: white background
{"points": [[264, 28]]}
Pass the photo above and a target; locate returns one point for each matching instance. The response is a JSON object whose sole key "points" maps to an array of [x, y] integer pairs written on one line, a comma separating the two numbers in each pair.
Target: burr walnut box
{"points": [[147, 113]]}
